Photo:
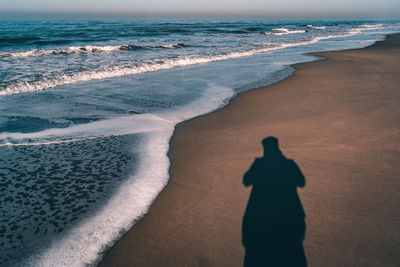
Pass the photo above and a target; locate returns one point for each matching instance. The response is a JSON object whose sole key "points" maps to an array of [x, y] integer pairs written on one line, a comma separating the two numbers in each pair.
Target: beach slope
{"points": [[338, 119]]}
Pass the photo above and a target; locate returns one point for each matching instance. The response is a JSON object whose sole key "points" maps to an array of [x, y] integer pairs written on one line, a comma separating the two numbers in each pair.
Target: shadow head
{"points": [[271, 145]]}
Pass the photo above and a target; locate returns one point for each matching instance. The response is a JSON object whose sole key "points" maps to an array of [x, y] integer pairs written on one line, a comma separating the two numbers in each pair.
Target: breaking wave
{"points": [[139, 68], [316, 27], [73, 50], [283, 31]]}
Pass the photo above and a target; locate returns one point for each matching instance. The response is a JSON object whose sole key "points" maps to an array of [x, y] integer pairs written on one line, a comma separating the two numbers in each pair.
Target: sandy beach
{"points": [[337, 119]]}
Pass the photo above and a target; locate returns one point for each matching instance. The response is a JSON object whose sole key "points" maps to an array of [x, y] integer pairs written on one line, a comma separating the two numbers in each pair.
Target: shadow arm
{"points": [[300, 179], [297, 175], [248, 177]]}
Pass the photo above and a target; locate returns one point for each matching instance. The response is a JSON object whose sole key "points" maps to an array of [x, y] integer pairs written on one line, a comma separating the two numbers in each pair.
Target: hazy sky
{"points": [[373, 9]]}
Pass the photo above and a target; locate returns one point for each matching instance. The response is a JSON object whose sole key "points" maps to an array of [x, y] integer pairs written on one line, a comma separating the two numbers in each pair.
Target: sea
{"points": [[87, 109]]}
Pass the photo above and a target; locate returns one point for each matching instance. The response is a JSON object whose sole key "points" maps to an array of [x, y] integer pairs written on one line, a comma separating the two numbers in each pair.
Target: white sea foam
{"points": [[372, 26], [316, 27], [83, 245], [168, 46], [65, 51], [283, 31]]}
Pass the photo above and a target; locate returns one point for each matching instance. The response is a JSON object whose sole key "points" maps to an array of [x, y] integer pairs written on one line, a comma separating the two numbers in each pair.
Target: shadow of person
{"points": [[273, 227]]}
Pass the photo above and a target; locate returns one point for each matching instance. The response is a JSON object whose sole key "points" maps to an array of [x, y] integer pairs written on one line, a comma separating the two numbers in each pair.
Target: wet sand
{"points": [[338, 119]]}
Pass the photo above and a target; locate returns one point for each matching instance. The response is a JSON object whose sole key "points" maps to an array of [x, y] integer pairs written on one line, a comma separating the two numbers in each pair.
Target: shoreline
{"points": [[160, 239]]}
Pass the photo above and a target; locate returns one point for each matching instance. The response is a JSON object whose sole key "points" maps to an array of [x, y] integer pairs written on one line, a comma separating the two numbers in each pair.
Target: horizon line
{"points": [[35, 15]]}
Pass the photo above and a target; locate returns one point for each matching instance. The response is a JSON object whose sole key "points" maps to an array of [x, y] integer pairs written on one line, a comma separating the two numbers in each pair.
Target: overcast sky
{"points": [[366, 9]]}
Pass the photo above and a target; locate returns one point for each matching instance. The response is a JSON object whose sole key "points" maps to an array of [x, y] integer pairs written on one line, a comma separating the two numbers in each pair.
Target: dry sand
{"points": [[339, 119]]}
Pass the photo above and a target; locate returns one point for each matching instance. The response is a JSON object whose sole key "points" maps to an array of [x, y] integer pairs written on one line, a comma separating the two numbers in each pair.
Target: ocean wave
{"points": [[170, 46], [139, 68], [65, 51], [85, 50], [115, 71], [316, 27], [372, 26], [283, 31]]}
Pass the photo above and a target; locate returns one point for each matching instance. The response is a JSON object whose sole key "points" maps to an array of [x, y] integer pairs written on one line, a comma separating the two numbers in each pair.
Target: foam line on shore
{"points": [[133, 124]]}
